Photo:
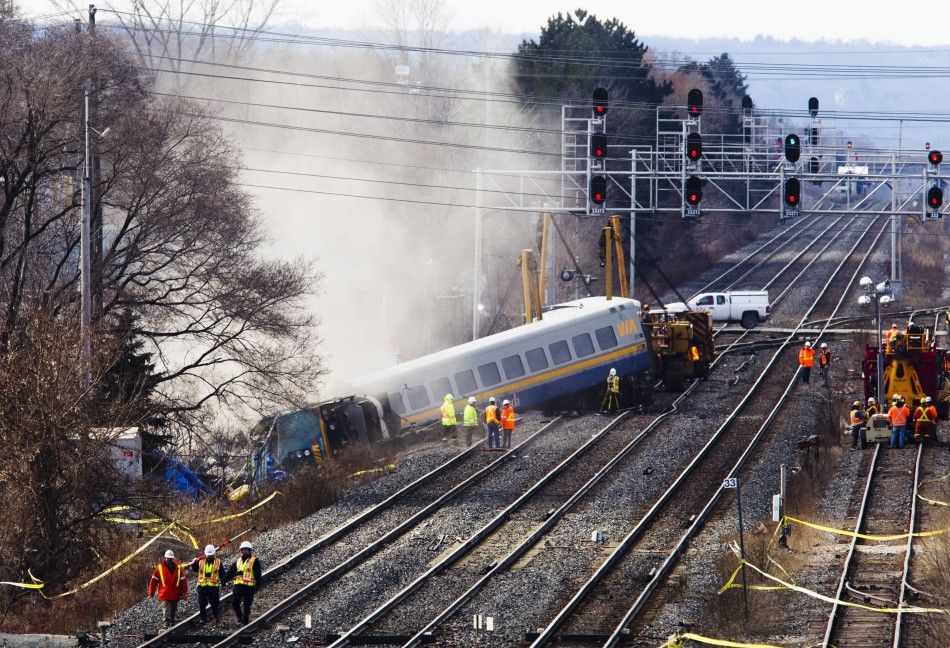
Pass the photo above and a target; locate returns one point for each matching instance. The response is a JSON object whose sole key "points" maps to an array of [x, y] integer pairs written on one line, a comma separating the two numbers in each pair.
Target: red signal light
{"points": [[935, 157]]}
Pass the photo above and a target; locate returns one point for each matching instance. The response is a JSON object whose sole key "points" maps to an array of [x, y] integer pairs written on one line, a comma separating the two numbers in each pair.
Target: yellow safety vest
{"points": [[448, 413], [613, 384], [209, 575], [694, 353], [469, 417], [245, 572], [491, 414]]}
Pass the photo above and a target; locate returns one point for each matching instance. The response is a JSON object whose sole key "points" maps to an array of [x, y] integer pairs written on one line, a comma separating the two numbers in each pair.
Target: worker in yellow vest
{"points": [[925, 421], [208, 567], [857, 418], [448, 417], [246, 574], [493, 423], [469, 420], [611, 401]]}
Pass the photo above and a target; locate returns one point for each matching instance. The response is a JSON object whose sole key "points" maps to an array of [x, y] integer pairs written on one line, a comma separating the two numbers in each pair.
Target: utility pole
{"points": [[84, 265], [95, 256]]}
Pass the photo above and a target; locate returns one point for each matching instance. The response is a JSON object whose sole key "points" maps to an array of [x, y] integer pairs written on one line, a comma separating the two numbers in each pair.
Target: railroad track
{"points": [[376, 525], [875, 573], [601, 601]]}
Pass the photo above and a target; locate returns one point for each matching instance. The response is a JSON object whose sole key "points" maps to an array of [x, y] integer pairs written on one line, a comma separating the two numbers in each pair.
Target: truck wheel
{"points": [[749, 319]]}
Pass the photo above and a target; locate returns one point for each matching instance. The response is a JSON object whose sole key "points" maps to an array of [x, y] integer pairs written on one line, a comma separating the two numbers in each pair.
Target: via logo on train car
{"points": [[627, 327]]}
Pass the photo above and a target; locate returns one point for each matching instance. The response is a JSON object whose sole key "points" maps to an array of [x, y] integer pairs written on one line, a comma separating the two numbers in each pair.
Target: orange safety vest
{"points": [[925, 414], [491, 414], [245, 572], [209, 575], [856, 418], [825, 358], [871, 410], [806, 357], [508, 418], [898, 415], [694, 353], [171, 585]]}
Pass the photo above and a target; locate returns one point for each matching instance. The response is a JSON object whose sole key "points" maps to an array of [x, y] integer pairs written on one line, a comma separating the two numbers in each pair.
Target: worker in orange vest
{"points": [[507, 423], [897, 418], [824, 363], [925, 421], [493, 423], [858, 418], [806, 358], [871, 409], [208, 567], [170, 582]]}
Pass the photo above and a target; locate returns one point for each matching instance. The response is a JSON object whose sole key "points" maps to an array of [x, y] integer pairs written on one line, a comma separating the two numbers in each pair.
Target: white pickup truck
{"points": [[748, 307]]}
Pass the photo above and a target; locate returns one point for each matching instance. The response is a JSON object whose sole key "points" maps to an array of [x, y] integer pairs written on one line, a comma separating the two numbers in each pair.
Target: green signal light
{"points": [[792, 141]]}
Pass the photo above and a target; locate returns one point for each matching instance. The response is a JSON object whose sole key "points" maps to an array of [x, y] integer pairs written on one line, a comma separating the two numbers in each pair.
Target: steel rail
{"points": [[478, 536], [584, 591], [700, 519], [331, 536], [908, 551], [752, 254], [376, 546], [859, 524], [770, 256], [549, 523]]}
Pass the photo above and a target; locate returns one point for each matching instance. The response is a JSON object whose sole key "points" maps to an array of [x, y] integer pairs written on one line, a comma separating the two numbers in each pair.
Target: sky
{"points": [[874, 20]]}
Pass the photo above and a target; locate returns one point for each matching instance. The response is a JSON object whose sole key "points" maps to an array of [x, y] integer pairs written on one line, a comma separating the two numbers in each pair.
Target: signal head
{"points": [[694, 102], [694, 146], [935, 157], [598, 146], [600, 102], [793, 147], [598, 189], [793, 192], [813, 106], [747, 104], [693, 191], [935, 197]]}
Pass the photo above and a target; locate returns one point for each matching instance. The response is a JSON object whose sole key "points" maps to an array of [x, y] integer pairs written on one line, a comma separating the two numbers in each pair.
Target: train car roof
{"points": [[554, 317]]}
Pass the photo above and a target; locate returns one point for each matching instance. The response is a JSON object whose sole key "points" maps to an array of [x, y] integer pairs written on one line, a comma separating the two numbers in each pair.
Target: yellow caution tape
{"points": [[239, 493], [369, 471], [866, 536], [933, 501], [37, 584], [676, 641], [829, 599], [731, 583], [244, 512]]}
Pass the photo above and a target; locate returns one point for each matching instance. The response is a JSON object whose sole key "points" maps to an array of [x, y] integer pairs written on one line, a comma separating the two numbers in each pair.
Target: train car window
{"points": [[559, 352], [583, 346], [513, 367], [396, 403], [417, 397], [489, 374], [606, 338], [537, 361], [465, 381], [440, 387]]}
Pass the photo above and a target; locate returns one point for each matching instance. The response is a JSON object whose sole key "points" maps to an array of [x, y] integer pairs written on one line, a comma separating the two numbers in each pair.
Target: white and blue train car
{"points": [[569, 352]]}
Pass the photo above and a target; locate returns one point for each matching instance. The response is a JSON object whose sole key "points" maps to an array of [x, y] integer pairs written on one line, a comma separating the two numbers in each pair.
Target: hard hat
{"points": [[893, 325], [246, 545], [896, 396], [170, 554], [471, 399], [857, 403], [871, 400], [491, 400], [613, 372], [927, 400], [506, 402], [210, 550], [448, 397], [824, 346], [807, 343]]}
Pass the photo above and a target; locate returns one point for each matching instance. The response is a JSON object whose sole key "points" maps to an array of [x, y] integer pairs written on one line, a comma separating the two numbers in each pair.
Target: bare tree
{"points": [[181, 243], [167, 33]]}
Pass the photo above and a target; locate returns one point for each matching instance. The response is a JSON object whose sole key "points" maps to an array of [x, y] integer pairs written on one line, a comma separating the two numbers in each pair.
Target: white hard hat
{"points": [[210, 550], [824, 346], [893, 325], [807, 343], [871, 400], [927, 400], [170, 554], [448, 397], [507, 402], [491, 400], [471, 399], [613, 372], [246, 545]]}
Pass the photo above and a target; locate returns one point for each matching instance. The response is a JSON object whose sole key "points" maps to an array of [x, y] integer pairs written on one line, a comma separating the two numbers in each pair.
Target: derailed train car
{"points": [[559, 362]]}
